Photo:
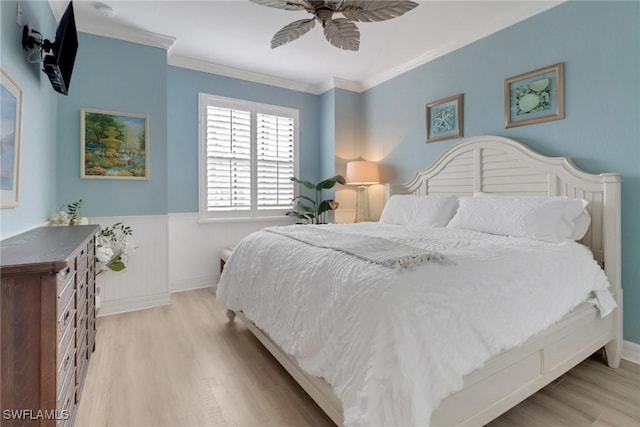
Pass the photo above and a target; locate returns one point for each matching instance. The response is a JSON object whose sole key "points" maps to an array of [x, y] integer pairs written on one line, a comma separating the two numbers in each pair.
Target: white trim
{"points": [[472, 35], [237, 73], [134, 303], [134, 36], [193, 283], [631, 352], [254, 109]]}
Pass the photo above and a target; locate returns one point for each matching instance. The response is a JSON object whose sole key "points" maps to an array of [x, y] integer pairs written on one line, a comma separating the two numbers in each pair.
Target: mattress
{"points": [[392, 343]]}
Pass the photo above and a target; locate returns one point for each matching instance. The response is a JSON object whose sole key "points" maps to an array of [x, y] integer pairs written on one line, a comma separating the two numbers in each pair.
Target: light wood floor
{"points": [[182, 365]]}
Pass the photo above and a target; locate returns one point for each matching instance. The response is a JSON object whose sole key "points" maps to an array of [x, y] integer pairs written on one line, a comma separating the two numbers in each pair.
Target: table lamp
{"points": [[362, 173]]}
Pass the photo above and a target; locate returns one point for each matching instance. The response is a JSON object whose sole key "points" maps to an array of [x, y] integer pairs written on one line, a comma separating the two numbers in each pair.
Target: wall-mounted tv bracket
{"points": [[32, 39]]}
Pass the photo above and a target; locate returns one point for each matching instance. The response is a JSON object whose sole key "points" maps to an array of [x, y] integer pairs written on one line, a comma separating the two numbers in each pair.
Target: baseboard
{"points": [[133, 304], [193, 283], [631, 352]]}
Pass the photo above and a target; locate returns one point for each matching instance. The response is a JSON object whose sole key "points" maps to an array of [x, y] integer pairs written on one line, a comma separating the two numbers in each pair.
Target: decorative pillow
{"points": [[430, 211], [580, 223], [552, 219]]}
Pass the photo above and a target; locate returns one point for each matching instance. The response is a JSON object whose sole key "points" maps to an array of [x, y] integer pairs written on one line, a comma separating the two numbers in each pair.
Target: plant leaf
{"points": [[342, 33], [330, 182], [307, 184], [286, 4], [299, 207], [313, 202], [375, 11], [296, 215], [292, 31], [116, 265]]}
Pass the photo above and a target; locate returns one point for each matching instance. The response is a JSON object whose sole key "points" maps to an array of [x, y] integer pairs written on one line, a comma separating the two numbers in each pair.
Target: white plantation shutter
{"points": [[275, 157], [228, 159], [247, 157]]}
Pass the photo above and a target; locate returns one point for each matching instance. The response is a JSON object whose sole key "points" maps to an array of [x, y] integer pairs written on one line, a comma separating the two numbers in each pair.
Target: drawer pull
{"points": [[67, 317], [66, 361]]}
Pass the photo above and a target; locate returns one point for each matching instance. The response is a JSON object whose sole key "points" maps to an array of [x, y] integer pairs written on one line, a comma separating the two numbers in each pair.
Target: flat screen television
{"points": [[59, 64]]}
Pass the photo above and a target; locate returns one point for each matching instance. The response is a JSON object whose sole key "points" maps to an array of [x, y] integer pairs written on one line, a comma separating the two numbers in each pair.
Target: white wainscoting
{"points": [[144, 283], [194, 247]]}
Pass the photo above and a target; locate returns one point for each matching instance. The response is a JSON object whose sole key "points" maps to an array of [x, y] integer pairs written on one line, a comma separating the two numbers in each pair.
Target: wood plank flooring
{"points": [[183, 365]]}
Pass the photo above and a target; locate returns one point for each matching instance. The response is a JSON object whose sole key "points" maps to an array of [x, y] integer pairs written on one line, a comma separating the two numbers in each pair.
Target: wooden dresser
{"points": [[47, 323]]}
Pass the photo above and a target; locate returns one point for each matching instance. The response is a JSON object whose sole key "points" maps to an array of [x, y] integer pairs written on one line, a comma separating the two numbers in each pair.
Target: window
{"points": [[248, 153]]}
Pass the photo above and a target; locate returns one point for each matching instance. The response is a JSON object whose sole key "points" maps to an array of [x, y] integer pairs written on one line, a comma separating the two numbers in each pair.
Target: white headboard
{"points": [[494, 164]]}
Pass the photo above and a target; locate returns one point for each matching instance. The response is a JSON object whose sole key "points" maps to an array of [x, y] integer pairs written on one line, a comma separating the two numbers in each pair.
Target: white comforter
{"points": [[393, 344]]}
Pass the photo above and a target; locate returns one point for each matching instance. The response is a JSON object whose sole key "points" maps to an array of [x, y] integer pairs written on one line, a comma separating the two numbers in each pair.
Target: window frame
{"points": [[253, 213]]}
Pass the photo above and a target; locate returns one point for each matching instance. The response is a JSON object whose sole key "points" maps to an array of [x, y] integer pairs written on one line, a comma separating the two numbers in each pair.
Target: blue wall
{"points": [[115, 75], [599, 43], [183, 88], [37, 180]]}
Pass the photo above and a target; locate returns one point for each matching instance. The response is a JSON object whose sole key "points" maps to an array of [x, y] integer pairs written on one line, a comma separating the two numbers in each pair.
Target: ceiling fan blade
{"points": [[286, 4], [342, 33], [374, 11], [292, 31]]}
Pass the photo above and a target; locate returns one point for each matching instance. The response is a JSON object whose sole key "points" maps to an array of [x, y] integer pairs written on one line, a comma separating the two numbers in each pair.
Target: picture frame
{"points": [[444, 119], [534, 97], [114, 145], [10, 139]]}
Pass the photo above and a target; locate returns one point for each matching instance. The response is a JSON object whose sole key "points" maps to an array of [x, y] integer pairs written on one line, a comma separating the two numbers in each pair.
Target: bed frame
{"points": [[499, 165]]}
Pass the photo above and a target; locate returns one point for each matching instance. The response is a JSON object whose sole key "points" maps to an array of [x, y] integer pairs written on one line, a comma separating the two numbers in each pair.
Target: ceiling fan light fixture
{"points": [[340, 32]]}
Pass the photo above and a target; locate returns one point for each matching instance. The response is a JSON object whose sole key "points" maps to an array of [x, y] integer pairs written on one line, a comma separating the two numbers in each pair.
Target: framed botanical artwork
{"points": [[114, 145], [534, 97], [10, 139], [444, 119]]}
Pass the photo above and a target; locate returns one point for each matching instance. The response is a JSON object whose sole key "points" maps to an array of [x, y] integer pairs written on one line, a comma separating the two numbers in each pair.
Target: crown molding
{"points": [[471, 36], [237, 73], [338, 83], [121, 33]]}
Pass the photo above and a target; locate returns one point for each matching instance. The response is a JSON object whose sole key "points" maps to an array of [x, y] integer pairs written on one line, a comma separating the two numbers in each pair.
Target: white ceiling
{"points": [[232, 37]]}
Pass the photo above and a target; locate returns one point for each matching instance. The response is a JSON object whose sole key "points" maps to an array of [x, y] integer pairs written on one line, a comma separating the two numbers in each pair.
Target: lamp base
{"points": [[362, 204]]}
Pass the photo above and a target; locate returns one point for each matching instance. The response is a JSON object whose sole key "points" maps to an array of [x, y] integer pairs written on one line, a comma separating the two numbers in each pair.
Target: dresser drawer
{"points": [[66, 381], [81, 258], [68, 399], [67, 362], [65, 294], [81, 288], [68, 338], [64, 275], [67, 315]]}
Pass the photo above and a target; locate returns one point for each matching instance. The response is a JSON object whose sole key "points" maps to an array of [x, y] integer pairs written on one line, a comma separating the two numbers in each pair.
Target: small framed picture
{"points": [[114, 145], [534, 97], [10, 140], [444, 119]]}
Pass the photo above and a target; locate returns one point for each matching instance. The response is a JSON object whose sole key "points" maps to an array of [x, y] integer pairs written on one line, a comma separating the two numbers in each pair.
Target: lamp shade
{"points": [[362, 172]]}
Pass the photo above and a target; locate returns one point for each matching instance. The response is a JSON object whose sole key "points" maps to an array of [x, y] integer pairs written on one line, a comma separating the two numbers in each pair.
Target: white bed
{"points": [[498, 165]]}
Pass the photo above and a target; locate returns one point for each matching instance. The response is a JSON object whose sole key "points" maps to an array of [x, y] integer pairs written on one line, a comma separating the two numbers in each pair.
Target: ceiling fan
{"points": [[340, 32]]}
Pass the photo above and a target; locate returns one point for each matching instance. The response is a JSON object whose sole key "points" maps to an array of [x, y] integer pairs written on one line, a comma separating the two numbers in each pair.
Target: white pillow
{"points": [[580, 223], [551, 219], [430, 211]]}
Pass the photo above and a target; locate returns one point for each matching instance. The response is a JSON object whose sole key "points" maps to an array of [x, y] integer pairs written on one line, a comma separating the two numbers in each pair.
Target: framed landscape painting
{"points": [[534, 97], [10, 139], [444, 119], [114, 145]]}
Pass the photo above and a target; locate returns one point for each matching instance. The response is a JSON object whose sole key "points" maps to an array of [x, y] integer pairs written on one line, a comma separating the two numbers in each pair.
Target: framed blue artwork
{"points": [[534, 97], [444, 119], [10, 139]]}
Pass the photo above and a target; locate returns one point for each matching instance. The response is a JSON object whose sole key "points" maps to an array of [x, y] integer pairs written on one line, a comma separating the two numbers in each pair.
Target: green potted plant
{"points": [[310, 210]]}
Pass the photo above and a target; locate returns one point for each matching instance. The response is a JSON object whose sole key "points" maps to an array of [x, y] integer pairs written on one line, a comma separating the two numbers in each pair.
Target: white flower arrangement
{"points": [[113, 248], [71, 217], [113, 244]]}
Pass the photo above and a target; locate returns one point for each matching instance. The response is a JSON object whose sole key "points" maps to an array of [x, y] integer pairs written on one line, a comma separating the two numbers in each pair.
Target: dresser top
{"points": [[43, 248]]}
